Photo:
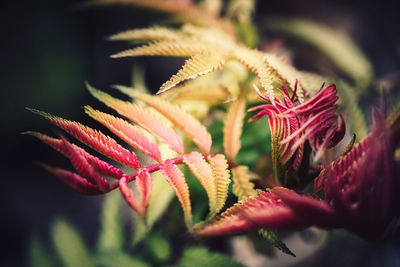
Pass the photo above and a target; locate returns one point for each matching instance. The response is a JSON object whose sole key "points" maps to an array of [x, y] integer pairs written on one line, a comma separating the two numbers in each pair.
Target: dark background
{"points": [[49, 48]]}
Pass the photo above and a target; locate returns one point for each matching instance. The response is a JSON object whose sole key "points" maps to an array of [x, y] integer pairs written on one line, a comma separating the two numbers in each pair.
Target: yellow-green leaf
{"points": [[194, 67], [337, 45], [111, 235], [242, 187], [148, 34], [219, 166], [181, 48], [203, 172], [69, 245]]}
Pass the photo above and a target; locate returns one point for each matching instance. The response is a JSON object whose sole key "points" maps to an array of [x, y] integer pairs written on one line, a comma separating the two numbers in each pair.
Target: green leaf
{"points": [[38, 256], [158, 246], [357, 119], [111, 232], [274, 240], [70, 246], [248, 34], [119, 259], [337, 45], [200, 256], [256, 142]]}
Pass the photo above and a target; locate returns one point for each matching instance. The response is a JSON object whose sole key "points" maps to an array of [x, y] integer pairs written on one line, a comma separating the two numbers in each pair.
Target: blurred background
{"points": [[50, 48]]}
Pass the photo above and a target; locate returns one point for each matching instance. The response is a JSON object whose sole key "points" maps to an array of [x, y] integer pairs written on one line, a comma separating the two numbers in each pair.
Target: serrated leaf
{"points": [[180, 118], [69, 245], [148, 34], [110, 237], [219, 167], [83, 167], [288, 74], [233, 124], [256, 62], [129, 133], [130, 197], [200, 256], [175, 178], [312, 82], [144, 185], [181, 48], [143, 118], [209, 93], [161, 196], [274, 240], [264, 210], [100, 166], [73, 180], [203, 172], [194, 67], [94, 139], [347, 99], [242, 187]]}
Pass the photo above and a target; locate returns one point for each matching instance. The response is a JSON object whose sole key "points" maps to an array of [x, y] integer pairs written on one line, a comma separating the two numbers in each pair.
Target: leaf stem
{"points": [[157, 166]]}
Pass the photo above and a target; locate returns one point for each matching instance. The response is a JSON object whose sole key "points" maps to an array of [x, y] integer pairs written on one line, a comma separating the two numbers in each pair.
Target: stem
{"points": [[151, 169], [156, 167]]}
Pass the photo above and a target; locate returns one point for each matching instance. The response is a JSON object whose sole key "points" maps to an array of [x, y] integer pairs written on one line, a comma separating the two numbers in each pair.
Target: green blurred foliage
{"points": [[69, 246], [38, 255], [201, 256], [111, 231]]}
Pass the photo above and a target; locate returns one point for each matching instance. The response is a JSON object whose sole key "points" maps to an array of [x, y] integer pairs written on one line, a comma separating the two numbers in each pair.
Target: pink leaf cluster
{"points": [[314, 121], [360, 194]]}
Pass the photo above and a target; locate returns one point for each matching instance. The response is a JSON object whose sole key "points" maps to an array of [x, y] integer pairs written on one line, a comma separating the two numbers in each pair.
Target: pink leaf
{"points": [[143, 118], [177, 181], [127, 132], [262, 211], [144, 184], [76, 182], [99, 165], [312, 210], [129, 196], [94, 139], [83, 167]]}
